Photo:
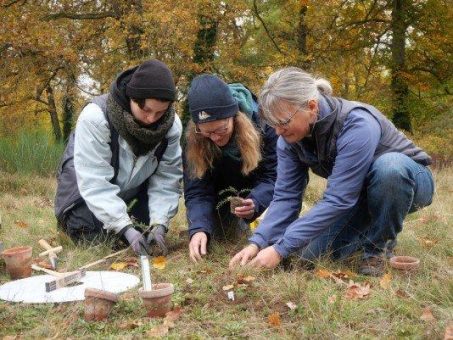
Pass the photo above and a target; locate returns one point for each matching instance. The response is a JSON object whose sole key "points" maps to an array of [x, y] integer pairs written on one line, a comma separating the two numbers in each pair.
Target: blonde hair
{"points": [[201, 152]]}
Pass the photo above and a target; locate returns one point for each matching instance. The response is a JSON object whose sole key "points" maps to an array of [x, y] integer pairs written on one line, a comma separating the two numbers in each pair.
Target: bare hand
{"points": [[197, 246], [244, 256], [266, 258], [247, 210]]}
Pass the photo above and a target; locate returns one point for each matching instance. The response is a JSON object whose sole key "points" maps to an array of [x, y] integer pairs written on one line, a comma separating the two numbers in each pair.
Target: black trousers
{"points": [[81, 225]]}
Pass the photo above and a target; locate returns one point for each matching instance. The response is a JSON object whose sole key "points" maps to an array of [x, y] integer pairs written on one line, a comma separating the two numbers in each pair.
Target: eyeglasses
{"points": [[284, 123], [218, 132]]}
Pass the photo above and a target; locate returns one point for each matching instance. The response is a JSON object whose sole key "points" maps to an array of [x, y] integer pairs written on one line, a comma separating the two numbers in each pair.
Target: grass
{"points": [[207, 313], [30, 153]]}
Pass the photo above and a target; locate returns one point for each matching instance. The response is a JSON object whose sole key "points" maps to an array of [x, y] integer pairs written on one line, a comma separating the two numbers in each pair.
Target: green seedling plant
{"points": [[232, 195]]}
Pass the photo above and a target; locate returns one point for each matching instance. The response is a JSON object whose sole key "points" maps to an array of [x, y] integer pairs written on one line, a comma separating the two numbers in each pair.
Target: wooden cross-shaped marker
{"points": [[51, 252]]}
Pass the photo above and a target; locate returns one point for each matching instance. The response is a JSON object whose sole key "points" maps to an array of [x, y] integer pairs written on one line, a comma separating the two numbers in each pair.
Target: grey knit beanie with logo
{"points": [[210, 99]]}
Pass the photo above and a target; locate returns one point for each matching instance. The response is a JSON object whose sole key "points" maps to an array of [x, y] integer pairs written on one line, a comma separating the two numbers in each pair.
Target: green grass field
{"points": [[260, 310]]}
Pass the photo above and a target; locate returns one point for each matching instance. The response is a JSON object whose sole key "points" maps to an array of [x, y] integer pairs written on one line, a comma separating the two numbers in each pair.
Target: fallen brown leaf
{"points": [[385, 281], [323, 273], [21, 224], [228, 287], [118, 265], [332, 299], [131, 261], [174, 314], [159, 262], [130, 324], [245, 280], [449, 332], [427, 315], [189, 281], [402, 294], [346, 275], [274, 319], [356, 291], [427, 243], [158, 331], [42, 263]]}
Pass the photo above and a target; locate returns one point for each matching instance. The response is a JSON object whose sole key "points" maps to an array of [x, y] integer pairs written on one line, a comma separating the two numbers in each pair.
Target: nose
{"points": [[279, 130], [151, 118], [215, 138]]}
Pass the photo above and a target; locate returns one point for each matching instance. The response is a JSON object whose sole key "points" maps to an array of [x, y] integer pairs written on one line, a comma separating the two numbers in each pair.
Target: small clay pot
{"points": [[18, 262], [406, 263], [235, 201], [98, 304], [158, 300]]}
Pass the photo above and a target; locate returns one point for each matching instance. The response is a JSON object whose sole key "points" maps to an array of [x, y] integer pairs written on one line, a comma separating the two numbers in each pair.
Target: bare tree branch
{"points": [[40, 89], [12, 2], [80, 16], [255, 7]]}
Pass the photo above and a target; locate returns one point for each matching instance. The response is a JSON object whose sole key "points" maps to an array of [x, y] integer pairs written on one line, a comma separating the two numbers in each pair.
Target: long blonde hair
{"points": [[201, 152]]}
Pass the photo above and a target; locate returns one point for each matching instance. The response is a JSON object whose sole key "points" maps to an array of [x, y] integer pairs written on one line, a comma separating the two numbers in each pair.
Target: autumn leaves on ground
{"points": [[329, 302]]}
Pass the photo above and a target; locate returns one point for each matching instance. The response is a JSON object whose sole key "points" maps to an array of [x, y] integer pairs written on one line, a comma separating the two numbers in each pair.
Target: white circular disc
{"points": [[33, 289]]}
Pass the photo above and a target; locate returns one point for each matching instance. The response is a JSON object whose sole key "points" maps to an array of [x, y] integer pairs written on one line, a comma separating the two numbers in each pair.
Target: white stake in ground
{"points": [[146, 275]]}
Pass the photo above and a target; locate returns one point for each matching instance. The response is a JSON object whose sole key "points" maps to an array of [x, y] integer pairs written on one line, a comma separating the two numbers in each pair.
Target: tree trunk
{"points": [[204, 49], [400, 88], [134, 31], [53, 114], [302, 33], [68, 106]]}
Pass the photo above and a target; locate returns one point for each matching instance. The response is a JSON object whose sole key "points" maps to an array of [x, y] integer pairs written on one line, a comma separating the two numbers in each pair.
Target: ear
{"points": [[313, 107]]}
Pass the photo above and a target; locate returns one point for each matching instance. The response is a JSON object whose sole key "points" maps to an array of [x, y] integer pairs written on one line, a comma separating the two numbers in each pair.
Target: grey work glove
{"points": [[136, 241], [156, 240]]}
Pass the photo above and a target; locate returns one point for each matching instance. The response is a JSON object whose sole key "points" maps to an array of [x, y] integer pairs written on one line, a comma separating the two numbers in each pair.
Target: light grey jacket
{"points": [[92, 156]]}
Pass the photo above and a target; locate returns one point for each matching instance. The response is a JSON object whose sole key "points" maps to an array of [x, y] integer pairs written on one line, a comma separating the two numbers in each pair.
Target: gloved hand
{"points": [[137, 241], [156, 239]]}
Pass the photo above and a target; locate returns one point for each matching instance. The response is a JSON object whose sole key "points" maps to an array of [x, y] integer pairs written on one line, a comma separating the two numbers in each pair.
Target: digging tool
{"points": [[47, 271], [75, 276], [52, 252], [62, 279], [104, 259]]}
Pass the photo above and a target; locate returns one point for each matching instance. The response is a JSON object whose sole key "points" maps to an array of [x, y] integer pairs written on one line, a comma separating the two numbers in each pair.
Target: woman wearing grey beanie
{"points": [[227, 146]]}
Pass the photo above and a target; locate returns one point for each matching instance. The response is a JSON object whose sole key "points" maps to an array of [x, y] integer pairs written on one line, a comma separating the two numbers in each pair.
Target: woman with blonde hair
{"points": [[227, 146]]}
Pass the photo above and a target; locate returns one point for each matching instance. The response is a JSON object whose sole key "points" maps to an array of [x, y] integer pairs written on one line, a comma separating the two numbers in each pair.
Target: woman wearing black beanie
{"points": [[125, 152]]}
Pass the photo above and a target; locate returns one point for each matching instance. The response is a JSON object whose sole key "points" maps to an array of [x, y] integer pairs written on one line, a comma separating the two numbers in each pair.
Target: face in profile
{"points": [[148, 111], [294, 122]]}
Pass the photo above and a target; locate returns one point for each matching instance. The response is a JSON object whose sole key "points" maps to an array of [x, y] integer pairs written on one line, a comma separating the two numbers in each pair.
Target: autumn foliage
{"points": [[57, 54]]}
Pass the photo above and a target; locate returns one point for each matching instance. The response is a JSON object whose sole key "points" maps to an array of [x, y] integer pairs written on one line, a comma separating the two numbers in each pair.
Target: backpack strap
{"points": [[114, 147], [160, 150]]}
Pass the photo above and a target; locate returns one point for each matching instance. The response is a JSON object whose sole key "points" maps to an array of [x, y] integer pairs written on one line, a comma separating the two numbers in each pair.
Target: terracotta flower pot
{"points": [[157, 301], [406, 263], [18, 262], [98, 304], [235, 201]]}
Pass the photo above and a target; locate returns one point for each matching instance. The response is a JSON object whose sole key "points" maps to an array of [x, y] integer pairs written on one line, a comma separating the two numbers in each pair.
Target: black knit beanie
{"points": [[152, 79]]}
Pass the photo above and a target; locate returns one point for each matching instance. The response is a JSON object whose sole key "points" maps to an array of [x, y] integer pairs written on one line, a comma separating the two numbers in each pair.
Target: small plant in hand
{"points": [[233, 196]]}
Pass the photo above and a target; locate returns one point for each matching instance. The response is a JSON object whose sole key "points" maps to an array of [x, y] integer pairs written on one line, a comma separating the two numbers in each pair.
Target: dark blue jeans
{"points": [[395, 186]]}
